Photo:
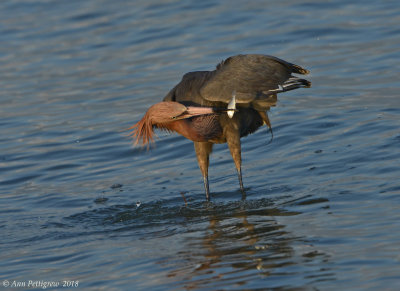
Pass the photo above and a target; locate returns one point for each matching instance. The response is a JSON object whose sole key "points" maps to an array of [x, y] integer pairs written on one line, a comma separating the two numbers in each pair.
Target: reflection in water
{"points": [[236, 246]]}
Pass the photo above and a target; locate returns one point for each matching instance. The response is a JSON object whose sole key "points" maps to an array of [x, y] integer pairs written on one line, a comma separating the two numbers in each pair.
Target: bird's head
{"points": [[165, 112], [157, 115], [160, 115]]}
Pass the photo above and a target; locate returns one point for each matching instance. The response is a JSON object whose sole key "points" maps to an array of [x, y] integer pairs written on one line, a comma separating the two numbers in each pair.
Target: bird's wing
{"points": [[252, 77]]}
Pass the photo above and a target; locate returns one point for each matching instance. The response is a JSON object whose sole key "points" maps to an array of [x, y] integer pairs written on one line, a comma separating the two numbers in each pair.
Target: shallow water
{"points": [[78, 202]]}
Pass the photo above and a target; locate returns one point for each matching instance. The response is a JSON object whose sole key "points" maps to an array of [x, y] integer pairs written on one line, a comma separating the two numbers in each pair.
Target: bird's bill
{"points": [[196, 111]]}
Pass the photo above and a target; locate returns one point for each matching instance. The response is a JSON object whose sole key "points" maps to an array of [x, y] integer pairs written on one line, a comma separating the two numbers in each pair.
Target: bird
{"points": [[221, 106]]}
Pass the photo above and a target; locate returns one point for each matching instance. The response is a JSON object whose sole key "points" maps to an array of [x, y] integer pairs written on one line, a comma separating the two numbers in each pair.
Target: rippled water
{"points": [[78, 202]]}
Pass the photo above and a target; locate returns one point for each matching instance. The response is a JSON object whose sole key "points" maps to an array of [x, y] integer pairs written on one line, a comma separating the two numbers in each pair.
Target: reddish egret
{"points": [[221, 106]]}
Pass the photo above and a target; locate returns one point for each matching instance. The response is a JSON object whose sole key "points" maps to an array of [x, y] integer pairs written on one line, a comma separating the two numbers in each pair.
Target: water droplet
{"points": [[101, 200], [115, 186]]}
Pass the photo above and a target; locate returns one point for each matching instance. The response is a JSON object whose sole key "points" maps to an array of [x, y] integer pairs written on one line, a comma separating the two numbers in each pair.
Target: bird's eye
{"points": [[173, 117]]}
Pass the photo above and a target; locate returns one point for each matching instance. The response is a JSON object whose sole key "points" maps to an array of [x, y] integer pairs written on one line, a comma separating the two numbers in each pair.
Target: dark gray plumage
{"points": [[255, 78]]}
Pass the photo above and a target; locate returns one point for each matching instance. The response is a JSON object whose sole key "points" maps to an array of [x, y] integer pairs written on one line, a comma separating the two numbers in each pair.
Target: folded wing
{"points": [[252, 77]]}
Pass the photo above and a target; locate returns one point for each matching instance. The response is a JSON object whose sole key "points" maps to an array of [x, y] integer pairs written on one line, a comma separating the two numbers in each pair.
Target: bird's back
{"points": [[255, 81]]}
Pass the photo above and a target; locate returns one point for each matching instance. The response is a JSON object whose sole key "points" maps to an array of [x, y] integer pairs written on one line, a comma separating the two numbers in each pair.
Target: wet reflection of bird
{"points": [[221, 106], [241, 241]]}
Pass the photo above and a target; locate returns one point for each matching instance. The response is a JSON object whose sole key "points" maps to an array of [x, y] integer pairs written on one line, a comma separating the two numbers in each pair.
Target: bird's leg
{"points": [[203, 151], [265, 119], [235, 149], [232, 134]]}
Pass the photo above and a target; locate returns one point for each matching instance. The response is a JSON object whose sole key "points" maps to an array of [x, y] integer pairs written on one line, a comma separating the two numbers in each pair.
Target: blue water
{"points": [[78, 202]]}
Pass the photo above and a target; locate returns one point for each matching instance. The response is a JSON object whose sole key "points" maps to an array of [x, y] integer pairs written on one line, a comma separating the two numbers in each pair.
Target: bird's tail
{"points": [[299, 70], [291, 84], [294, 83]]}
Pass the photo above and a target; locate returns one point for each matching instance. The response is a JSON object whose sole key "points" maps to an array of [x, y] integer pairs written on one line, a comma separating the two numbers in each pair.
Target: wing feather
{"points": [[256, 79], [251, 76]]}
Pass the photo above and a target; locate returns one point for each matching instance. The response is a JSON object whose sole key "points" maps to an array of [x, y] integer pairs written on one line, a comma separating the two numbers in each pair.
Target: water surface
{"points": [[322, 209]]}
